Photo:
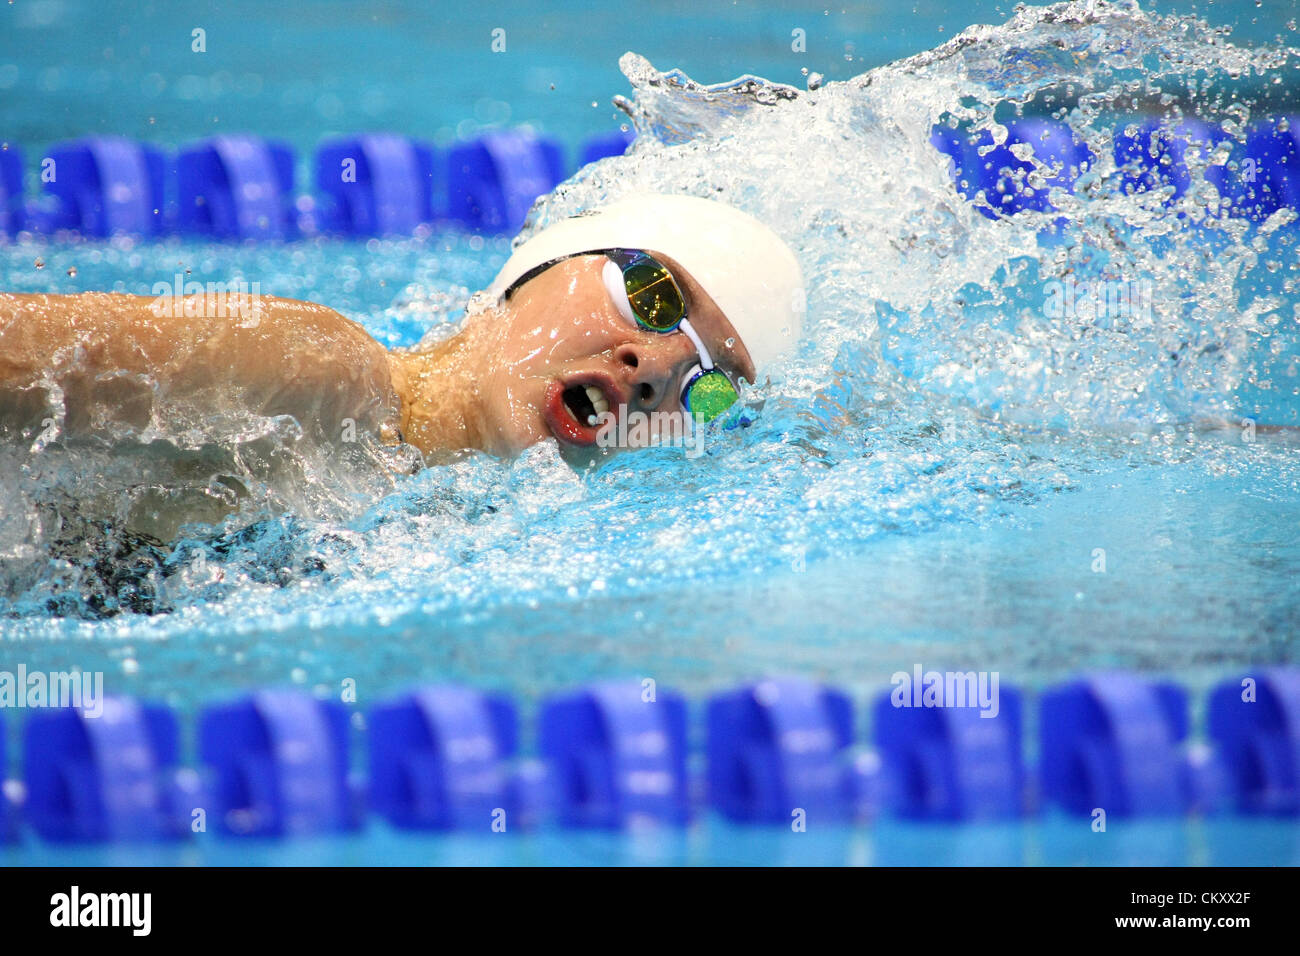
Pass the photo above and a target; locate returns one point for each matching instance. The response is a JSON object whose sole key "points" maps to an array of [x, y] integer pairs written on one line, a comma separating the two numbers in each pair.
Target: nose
{"points": [[650, 366]]}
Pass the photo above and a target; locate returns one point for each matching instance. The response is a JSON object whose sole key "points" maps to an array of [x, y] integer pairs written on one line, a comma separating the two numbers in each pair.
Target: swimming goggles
{"points": [[650, 298]]}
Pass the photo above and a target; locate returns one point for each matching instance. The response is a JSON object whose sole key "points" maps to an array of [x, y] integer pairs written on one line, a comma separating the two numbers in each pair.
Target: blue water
{"points": [[1053, 842], [73, 67], [929, 481]]}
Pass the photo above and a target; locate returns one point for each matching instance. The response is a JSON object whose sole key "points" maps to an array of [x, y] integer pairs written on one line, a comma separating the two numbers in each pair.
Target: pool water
{"points": [[1053, 842], [944, 475]]}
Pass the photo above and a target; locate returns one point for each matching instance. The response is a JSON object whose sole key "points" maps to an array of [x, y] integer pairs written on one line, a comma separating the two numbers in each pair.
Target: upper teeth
{"points": [[597, 398]]}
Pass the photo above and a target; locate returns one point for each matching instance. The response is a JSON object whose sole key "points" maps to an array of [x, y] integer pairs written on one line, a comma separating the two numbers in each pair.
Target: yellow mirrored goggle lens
{"points": [[656, 300]]}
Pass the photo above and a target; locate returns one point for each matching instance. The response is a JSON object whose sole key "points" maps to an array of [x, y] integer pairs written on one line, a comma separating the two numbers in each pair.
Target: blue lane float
{"points": [[1255, 724], [606, 144], [1008, 180], [1153, 155], [1268, 176], [1002, 183], [104, 185], [955, 761], [779, 752], [9, 817], [1260, 175], [493, 181], [278, 764], [106, 776], [241, 187], [236, 187], [779, 747], [13, 218], [617, 755], [375, 185], [1114, 742], [439, 759]]}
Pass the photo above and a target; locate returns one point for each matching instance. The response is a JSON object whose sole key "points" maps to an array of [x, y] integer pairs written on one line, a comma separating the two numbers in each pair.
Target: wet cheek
{"points": [[587, 337], [542, 338], [519, 413], [576, 338]]}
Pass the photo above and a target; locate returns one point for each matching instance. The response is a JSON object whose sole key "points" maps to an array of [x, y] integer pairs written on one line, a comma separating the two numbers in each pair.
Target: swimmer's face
{"points": [[564, 348]]}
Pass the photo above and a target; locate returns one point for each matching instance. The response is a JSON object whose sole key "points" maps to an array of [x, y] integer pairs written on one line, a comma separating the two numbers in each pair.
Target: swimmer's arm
{"points": [[111, 357]]}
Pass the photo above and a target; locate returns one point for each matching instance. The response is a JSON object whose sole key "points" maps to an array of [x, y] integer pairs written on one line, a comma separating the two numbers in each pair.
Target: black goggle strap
{"points": [[625, 256], [537, 270]]}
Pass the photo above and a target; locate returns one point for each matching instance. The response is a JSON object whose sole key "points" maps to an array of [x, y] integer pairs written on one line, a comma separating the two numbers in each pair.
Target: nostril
{"points": [[647, 393], [629, 359]]}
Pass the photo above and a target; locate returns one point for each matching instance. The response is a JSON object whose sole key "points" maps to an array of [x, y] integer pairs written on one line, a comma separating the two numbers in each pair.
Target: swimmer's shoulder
{"points": [[233, 335]]}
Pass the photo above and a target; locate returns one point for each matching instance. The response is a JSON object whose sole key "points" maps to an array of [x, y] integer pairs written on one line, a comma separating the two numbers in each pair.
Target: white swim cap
{"points": [[750, 273]]}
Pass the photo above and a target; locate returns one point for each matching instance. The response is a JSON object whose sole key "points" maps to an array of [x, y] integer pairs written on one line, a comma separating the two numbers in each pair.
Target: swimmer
{"points": [[652, 304]]}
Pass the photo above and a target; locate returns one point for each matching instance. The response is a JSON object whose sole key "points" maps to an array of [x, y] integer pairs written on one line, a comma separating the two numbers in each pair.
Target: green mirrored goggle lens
{"points": [[709, 395], [655, 298]]}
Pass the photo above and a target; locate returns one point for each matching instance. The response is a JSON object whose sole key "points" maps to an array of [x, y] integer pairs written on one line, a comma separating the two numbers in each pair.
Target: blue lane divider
{"points": [[1269, 177], [1261, 175], [8, 810], [1255, 722], [777, 747], [378, 184], [607, 144], [1007, 178], [13, 217], [952, 762], [492, 182], [241, 187], [1114, 742], [103, 185], [279, 762], [105, 776], [979, 165], [1154, 156], [439, 758], [236, 187], [617, 755]]}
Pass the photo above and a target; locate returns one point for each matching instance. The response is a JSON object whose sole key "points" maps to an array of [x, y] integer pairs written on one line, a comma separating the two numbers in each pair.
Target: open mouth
{"points": [[574, 411], [585, 403]]}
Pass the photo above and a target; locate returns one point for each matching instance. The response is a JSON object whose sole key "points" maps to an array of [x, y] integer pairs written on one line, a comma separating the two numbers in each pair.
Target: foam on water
{"points": [[924, 445]]}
